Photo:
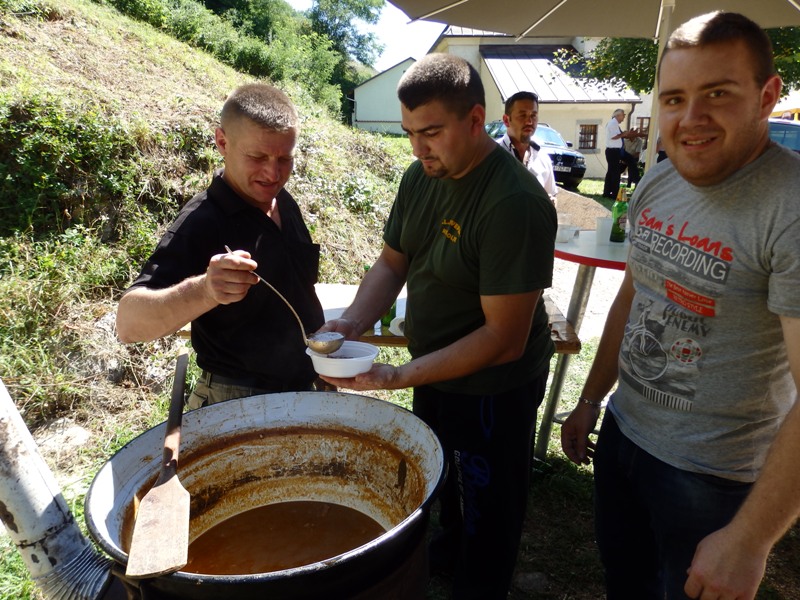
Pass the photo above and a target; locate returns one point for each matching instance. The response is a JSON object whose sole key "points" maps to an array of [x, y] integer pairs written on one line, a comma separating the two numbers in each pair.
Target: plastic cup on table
{"points": [[603, 230], [565, 233]]}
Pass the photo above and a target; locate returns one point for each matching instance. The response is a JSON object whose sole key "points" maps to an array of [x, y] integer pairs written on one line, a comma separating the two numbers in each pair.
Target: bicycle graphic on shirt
{"points": [[647, 357]]}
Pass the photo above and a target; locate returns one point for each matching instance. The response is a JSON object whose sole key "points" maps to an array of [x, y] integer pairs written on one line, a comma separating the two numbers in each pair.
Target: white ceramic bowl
{"points": [[348, 361]]}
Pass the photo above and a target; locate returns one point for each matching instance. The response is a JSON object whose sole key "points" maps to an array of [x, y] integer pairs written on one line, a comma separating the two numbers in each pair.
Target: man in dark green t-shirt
{"points": [[471, 233]]}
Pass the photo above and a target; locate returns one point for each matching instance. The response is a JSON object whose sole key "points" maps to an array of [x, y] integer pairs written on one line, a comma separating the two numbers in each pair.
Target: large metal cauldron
{"points": [[360, 452]]}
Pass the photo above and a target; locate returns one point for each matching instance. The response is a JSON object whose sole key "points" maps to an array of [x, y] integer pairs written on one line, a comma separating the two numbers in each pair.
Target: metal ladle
{"points": [[323, 343]]}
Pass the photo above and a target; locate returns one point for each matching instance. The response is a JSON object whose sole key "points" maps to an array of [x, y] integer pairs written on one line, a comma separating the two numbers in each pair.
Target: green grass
{"points": [[15, 582], [593, 188]]}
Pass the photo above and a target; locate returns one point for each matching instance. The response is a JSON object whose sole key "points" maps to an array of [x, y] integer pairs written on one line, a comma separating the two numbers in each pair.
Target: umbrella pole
{"points": [[664, 29]]}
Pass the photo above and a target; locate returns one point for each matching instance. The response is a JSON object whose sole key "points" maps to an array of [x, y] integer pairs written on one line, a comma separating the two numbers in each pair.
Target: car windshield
{"points": [[496, 129], [545, 136]]}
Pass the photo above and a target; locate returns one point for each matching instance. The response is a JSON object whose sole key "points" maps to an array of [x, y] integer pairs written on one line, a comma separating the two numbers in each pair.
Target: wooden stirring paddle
{"points": [[161, 533]]}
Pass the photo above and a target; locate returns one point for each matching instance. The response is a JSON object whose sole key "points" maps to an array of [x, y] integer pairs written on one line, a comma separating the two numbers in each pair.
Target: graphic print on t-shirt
{"points": [[683, 271], [451, 229]]}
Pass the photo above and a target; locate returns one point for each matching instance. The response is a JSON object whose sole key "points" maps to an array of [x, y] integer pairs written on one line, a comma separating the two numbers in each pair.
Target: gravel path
{"points": [[604, 289]]}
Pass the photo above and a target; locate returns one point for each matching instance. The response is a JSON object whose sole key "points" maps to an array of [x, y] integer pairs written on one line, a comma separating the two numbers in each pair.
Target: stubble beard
{"points": [[439, 172]]}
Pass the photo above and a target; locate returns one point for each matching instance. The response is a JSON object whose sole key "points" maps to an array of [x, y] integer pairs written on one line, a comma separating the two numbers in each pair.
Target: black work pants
{"points": [[487, 442], [611, 185], [632, 164]]}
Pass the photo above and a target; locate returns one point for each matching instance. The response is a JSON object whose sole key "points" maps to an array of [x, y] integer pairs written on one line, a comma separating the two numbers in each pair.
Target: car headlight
{"points": [[580, 160]]}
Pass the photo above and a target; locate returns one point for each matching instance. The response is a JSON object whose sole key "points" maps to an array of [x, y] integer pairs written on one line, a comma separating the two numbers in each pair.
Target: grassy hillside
{"points": [[107, 130]]}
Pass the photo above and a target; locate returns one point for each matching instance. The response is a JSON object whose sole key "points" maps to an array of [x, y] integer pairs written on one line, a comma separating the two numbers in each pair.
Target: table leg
{"points": [[575, 312], [580, 296], [543, 437]]}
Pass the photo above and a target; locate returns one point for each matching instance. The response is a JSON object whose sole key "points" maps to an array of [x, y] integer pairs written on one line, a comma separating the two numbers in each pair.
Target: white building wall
{"points": [[376, 105], [567, 120], [466, 48]]}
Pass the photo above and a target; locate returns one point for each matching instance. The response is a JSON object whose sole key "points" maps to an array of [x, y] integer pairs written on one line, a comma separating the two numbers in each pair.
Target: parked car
{"points": [[495, 129], [785, 132], [569, 165]]}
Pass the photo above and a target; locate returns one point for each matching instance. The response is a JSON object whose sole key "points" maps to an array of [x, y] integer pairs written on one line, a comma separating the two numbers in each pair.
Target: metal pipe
{"points": [[62, 562]]}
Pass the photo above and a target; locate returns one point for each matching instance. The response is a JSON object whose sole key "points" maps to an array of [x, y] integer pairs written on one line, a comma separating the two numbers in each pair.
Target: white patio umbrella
{"points": [[591, 18], [654, 19]]}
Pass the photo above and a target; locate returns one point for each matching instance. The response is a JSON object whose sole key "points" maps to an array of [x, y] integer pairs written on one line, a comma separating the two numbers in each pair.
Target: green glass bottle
{"points": [[619, 215], [391, 314]]}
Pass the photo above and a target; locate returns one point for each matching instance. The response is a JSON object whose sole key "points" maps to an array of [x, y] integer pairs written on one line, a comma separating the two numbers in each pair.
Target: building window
{"points": [[643, 124], [587, 138]]}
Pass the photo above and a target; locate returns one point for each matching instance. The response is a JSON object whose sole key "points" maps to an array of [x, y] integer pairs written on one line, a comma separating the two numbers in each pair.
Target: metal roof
{"points": [[531, 68]]}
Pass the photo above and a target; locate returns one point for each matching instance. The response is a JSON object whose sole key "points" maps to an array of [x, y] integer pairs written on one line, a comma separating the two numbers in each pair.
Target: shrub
{"points": [[152, 12], [60, 164], [40, 9]]}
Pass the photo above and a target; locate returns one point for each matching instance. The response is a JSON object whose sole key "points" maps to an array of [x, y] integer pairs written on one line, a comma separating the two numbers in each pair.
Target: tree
{"points": [[264, 19], [786, 47], [337, 20], [322, 46], [278, 41], [632, 61]]}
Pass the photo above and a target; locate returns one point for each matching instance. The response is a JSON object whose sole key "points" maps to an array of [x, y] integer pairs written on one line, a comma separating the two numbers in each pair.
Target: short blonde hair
{"points": [[265, 105]]}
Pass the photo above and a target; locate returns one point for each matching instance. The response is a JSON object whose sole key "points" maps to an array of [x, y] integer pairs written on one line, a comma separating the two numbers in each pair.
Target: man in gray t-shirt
{"points": [[695, 464]]}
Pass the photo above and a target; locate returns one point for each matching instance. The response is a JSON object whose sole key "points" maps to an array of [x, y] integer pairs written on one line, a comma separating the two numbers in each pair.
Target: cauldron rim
{"points": [[399, 530]]}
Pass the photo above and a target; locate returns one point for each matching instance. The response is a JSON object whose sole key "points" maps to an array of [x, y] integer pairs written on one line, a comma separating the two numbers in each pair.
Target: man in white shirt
{"points": [[614, 140], [520, 118]]}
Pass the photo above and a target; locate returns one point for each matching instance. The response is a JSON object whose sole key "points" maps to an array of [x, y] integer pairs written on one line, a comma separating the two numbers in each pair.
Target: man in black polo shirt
{"points": [[246, 339]]}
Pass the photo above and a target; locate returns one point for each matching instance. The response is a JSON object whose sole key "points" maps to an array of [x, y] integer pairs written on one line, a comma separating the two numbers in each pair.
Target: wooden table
{"points": [[584, 250], [336, 297]]}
